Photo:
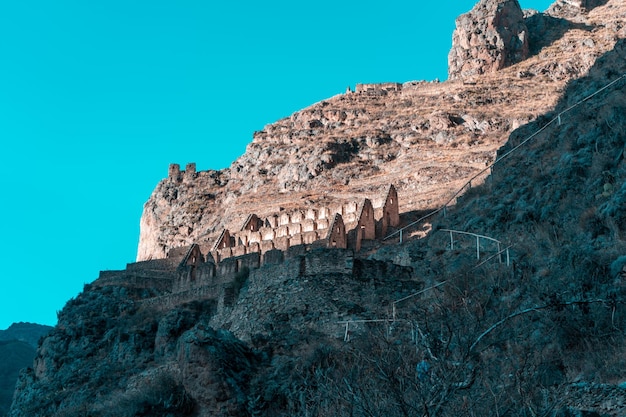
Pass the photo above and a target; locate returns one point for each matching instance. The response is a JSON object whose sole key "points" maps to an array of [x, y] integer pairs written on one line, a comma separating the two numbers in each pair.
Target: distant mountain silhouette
{"points": [[25, 332], [18, 345], [15, 355]]}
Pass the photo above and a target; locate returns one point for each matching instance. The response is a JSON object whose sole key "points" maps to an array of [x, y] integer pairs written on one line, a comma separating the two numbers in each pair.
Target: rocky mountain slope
{"points": [[418, 328], [17, 350], [427, 139], [25, 332], [15, 356]]}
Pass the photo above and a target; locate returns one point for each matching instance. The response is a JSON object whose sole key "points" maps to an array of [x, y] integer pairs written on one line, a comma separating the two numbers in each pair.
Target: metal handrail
{"points": [[478, 237]]}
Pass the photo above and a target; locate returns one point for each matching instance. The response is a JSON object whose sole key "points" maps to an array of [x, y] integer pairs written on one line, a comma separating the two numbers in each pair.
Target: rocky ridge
{"points": [[25, 332]]}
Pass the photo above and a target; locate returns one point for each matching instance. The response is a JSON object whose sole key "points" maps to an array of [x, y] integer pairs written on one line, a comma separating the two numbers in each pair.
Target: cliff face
{"points": [[427, 139], [419, 328], [492, 36]]}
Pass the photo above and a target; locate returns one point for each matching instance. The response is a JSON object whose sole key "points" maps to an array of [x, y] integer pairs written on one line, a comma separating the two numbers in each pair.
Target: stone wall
{"points": [[219, 283], [312, 226], [153, 264], [380, 88], [133, 280], [325, 261], [209, 292], [306, 243]]}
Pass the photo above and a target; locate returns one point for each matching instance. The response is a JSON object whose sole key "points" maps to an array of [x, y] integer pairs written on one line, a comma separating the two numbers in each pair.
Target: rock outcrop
{"points": [[490, 37]]}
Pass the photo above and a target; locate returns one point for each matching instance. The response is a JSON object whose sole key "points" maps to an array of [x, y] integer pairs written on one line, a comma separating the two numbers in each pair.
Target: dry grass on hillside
{"points": [[428, 140]]}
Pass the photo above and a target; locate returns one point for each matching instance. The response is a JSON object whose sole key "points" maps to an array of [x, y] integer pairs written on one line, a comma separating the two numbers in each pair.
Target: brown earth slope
{"points": [[427, 139]]}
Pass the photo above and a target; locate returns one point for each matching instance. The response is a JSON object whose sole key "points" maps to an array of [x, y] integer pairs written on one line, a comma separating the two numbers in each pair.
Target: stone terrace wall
{"points": [[154, 264], [332, 293], [134, 280], [290, 268], [327, 261], [217, 284], [204, 293]]}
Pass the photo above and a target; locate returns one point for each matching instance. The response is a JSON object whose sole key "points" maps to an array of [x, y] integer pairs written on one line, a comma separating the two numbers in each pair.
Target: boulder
{"points": [[490, 37]]}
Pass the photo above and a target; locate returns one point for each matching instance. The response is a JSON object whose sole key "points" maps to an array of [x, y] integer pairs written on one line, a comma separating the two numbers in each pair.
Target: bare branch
{"points": [[526, 311]]}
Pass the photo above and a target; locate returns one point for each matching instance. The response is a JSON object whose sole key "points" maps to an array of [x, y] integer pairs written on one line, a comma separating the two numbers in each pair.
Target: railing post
{"points": [[507, 257], [451, 240], [499, 253], [400, 235], [346, 337]]}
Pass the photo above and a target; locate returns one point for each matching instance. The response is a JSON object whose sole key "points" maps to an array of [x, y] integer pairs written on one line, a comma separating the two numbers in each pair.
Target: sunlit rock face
{"points": [[426, 138], [490, 37]]}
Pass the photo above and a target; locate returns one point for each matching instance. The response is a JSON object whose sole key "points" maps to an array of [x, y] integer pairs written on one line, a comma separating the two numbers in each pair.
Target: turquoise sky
{"points": [[98, 97]]}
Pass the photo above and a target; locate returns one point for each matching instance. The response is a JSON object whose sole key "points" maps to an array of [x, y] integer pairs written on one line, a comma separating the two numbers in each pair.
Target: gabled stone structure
{"points": [[193, 259], [365, 226], [186, 255], [224, 241], [307, 242], [336, 237], [252, 223], [391, 211], [346, 225]]}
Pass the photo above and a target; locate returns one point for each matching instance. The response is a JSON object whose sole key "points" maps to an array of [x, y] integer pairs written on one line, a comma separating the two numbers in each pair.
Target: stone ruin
{"points": [[348, 226], [175, 174], [306, 242], [378, 88]]}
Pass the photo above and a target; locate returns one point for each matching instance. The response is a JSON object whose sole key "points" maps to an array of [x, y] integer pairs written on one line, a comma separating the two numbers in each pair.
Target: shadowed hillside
{"points": [[17, 350], [15, 356]]}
